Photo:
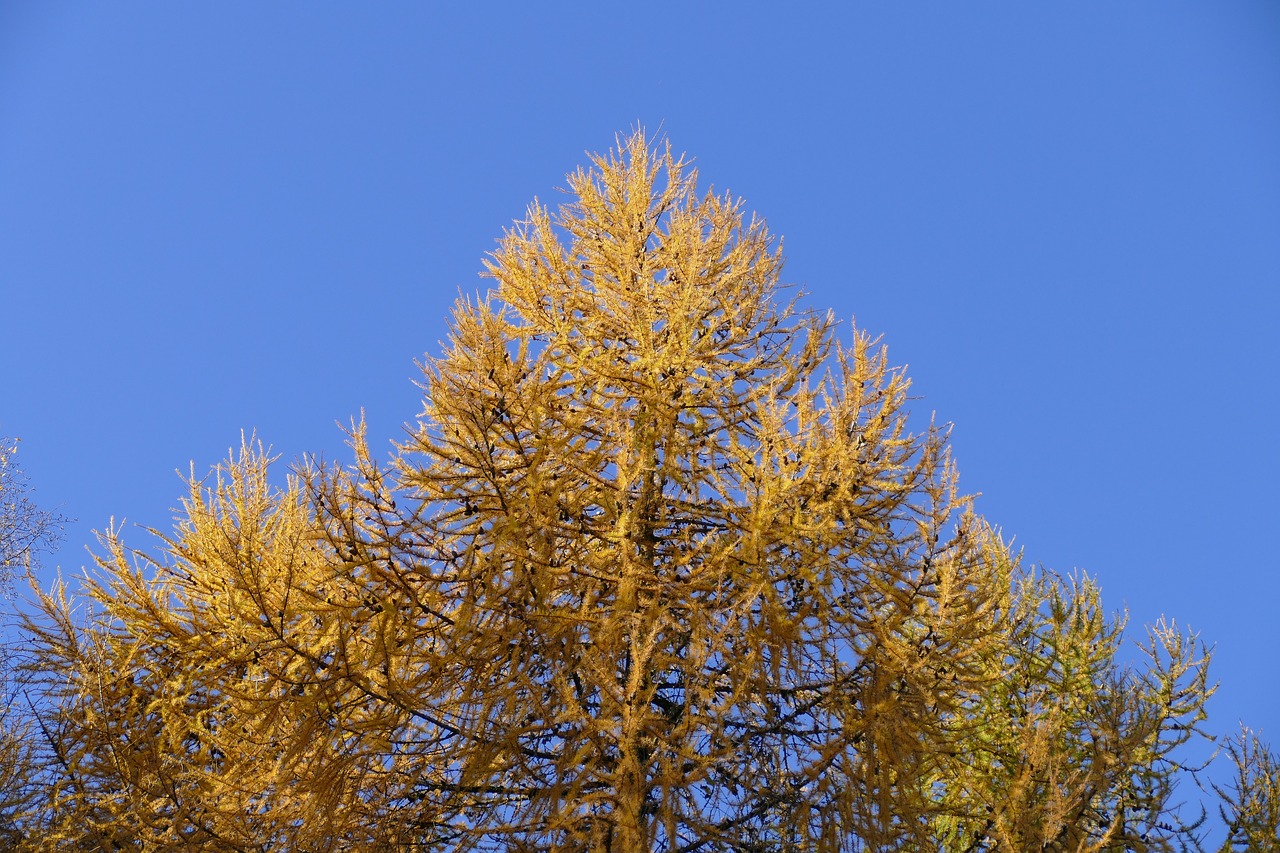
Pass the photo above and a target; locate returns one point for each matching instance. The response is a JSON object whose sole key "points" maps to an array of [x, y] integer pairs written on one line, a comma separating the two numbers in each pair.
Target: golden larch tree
{"points": [[693, 583]]}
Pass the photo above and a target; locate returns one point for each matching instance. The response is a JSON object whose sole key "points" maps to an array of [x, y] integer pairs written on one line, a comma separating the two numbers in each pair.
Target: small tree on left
{"points": [[25, 528], [25, 531]]}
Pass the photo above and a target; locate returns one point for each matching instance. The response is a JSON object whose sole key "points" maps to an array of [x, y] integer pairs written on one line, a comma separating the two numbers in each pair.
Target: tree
{"points": [[1069, 749], [1250, 805], [25, 530], [660, 567]]}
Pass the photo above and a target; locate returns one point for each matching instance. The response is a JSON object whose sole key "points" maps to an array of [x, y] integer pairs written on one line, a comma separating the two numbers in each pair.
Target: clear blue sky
{"points": [[1064, 217]]}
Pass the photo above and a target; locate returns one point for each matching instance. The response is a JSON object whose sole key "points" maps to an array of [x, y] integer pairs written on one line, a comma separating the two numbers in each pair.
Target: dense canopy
{"points": [[662, 566]]}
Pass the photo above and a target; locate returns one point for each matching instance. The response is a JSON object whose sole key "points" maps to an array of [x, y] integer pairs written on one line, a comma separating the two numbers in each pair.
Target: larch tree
{"points": [[660, 568], [1071, 749], [695, 590], [1250, 804]]}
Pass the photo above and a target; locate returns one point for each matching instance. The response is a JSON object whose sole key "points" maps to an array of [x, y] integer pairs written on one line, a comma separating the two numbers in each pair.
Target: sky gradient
{"points": [[1064, 218]]}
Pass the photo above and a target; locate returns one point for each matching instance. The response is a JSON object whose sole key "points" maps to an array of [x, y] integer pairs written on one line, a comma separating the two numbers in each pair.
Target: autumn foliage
{"points": [[661, 567]]}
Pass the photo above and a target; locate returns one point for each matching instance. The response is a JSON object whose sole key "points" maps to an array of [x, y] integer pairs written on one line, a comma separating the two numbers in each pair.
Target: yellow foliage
{"points": [[660, 567]]}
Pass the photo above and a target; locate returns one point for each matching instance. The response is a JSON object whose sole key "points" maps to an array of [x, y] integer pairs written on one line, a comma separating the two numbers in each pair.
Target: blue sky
{"points": [[1064, 217]]}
